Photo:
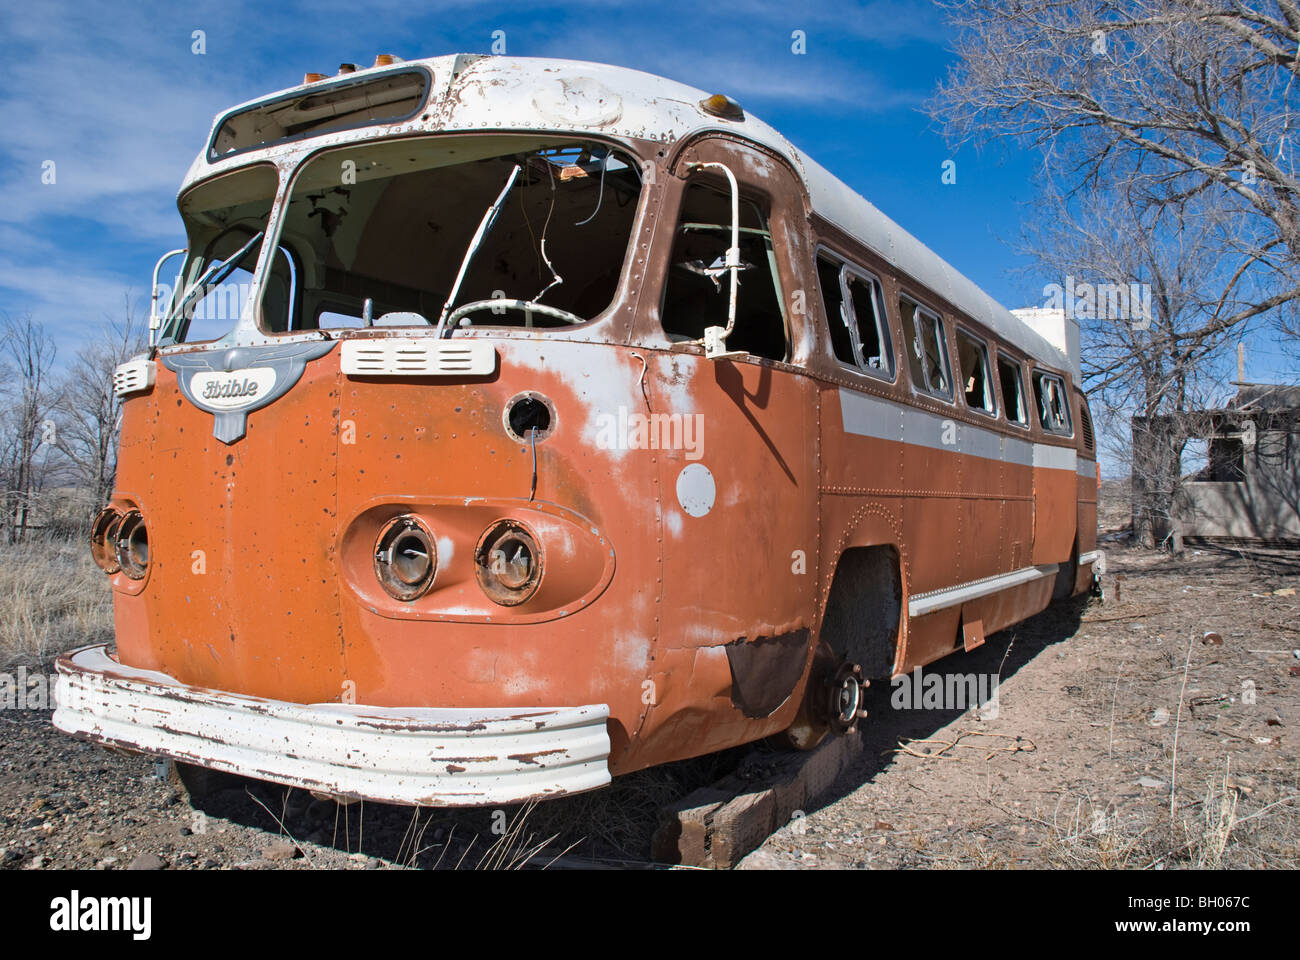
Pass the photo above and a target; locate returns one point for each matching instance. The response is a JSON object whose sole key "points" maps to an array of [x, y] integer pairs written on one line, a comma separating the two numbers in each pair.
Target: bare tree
{"points": [[26, 431], [1153, 362], [1173, 99], [88, 412]]}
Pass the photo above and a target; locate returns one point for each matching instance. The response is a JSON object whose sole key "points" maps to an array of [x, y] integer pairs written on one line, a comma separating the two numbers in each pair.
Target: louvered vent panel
{"points": [[424, 357], [133, 376], [1086, 422]]}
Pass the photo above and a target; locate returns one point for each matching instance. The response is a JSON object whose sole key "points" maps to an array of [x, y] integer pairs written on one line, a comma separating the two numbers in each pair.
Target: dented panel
{"points": [[425, 757]]}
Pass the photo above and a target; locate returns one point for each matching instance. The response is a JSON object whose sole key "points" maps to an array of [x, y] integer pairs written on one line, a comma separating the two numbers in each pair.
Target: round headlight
{"points": [[405, 558], [131, 549], [101, 539], [508, 563]]}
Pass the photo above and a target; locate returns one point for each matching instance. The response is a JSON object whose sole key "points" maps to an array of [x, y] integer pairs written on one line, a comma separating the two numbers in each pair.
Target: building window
{"points": [[1226, 460]]}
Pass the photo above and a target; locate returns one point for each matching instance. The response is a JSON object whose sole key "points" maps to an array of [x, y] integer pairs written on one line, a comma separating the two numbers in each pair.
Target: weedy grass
{"points": [[52, 598]]}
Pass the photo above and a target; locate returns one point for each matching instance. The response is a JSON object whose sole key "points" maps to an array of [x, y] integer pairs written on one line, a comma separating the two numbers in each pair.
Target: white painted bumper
{"points": [[425, 756], [1097, 558]]}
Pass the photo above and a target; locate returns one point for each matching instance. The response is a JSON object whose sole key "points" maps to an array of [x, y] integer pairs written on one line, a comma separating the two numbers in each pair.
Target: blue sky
{"points": [[116, 98]]}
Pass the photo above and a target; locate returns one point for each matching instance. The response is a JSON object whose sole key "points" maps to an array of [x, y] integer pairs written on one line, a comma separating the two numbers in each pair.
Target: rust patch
{"points": [[764, 672], [532, 757]]}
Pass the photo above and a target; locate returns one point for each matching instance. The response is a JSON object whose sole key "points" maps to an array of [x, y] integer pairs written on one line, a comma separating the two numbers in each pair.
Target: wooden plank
{"points": [[716, 826]]}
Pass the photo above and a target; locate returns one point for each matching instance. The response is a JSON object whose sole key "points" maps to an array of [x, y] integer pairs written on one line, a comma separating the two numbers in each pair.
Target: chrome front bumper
{"points": [[419, 756]]}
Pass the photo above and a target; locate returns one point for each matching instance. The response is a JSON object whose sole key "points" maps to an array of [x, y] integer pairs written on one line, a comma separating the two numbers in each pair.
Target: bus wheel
{"points": [[832, 703], [845, 693]]}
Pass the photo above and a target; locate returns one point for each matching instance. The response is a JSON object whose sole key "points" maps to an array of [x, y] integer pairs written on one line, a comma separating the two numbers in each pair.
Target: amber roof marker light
{"points": [[721, 105]]}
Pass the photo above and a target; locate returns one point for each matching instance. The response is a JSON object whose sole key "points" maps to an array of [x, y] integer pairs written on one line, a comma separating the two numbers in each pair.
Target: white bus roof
{"points": [[472, 92]]}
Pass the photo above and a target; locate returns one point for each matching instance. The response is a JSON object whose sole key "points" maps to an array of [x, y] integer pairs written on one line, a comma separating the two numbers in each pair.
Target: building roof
{"points": [[1273, 397]]}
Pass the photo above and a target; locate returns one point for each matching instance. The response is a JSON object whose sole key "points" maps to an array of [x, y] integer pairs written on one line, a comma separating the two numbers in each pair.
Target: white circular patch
{"points": [[581, 101], [696, 490]]}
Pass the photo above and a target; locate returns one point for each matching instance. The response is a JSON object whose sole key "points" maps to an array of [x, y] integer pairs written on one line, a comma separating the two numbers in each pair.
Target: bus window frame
{"points": [[1025, 424], [248, 318], [992, 392], [1047, 374], [326, 87], [767, 208], [945, 348], [288, 181], [884, 325]]}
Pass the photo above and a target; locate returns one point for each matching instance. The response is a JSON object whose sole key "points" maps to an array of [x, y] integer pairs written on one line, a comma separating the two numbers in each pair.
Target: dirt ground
{"points": [[1095, 705], [1122, 737]]}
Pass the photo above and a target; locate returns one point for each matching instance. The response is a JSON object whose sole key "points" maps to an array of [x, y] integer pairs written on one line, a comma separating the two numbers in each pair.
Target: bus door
{"points": [[738, 481]]}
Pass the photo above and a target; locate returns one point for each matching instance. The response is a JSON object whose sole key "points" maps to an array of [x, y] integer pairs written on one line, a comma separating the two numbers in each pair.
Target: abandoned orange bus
{"points": [[514, 424]]}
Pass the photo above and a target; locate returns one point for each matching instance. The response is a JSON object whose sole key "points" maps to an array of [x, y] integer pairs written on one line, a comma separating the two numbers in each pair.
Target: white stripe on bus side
{"points": [[933, 600], [868, 416]]}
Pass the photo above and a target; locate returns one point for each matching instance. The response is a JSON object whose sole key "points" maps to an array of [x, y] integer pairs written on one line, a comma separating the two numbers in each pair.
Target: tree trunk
{"points": [[1154, 478]]}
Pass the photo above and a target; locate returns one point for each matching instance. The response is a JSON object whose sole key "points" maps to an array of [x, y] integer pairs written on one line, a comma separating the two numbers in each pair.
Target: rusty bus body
{"points": [[403, 533]]}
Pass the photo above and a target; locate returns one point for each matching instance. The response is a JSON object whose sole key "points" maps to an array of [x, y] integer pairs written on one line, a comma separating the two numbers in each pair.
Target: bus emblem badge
{"points": [[231, 383]]}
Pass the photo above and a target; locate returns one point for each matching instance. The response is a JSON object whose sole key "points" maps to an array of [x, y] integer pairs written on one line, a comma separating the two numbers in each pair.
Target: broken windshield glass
{"points": [[381, 231], [225, 221]]}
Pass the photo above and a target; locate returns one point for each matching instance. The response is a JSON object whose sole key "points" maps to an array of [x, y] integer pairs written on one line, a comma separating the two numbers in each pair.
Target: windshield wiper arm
{"points": [[480, 234], [210, 275]]}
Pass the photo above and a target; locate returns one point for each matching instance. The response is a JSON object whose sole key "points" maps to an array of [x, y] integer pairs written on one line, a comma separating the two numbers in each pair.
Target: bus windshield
{"points": [[402, 232], [225, 222]]}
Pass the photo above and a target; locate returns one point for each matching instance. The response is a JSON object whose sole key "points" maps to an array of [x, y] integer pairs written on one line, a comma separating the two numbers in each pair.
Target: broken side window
{"points": [[976, 383], [382, 231], [698, 286], [927, 350], [1013, 393], [876, 354], [1053, 410], [828, 277], [858, 326]]}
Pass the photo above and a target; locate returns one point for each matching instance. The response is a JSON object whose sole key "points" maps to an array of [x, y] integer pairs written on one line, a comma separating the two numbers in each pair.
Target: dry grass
{"points": [[1207, 834], [52, 598]]}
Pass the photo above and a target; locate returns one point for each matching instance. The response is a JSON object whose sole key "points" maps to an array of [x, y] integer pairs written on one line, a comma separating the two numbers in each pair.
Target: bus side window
{"points": [[859, 329], [698, 285], [1053, 411], [927, 351], [1013, 393], [976, 384], [872, 328], [828, 275]]}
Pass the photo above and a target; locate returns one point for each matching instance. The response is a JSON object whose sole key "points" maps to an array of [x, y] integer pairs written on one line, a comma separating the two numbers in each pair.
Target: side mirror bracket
{"points": [[715, 338]]}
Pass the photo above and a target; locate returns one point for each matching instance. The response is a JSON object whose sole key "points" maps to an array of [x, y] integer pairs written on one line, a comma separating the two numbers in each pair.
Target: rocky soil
{"points": [[1105, 714]]}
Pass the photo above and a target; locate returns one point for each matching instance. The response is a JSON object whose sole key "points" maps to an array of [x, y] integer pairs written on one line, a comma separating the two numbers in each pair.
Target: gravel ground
{"points": [[1076, 769]]}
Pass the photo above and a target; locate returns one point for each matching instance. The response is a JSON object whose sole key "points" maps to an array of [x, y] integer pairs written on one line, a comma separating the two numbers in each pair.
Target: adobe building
{"points": [[1250, 486]]}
